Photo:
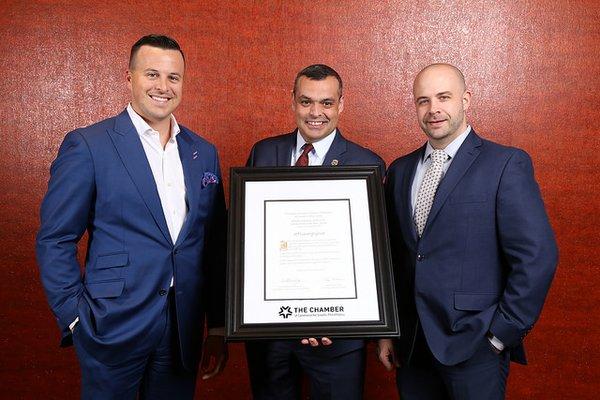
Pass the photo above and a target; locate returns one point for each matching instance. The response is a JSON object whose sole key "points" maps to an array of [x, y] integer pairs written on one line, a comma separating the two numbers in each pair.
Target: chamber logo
{"points": [[285, 311]]}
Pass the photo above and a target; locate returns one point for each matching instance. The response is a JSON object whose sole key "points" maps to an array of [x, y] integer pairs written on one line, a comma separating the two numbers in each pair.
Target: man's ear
{"points": [[466, 99], [128, 77]]}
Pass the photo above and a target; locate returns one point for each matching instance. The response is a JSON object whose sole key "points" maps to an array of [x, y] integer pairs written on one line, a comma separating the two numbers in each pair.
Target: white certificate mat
{"points": [[308, 252]]}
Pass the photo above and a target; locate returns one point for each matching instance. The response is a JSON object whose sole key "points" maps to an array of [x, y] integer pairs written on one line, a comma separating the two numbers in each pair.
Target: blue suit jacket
{"points": [[486, 257], [277, 152], [101, 182]]}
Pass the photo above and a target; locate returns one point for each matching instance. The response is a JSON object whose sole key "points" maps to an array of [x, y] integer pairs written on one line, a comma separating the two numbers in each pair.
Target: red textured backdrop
{"points": [[534, 67]]}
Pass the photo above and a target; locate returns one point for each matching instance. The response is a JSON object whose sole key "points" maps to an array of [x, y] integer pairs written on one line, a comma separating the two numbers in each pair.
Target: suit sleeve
{"points": [[381, 165], [393, 228], [397, 245], [250, 161], [216, 256], [64, 214], [529, 249]]}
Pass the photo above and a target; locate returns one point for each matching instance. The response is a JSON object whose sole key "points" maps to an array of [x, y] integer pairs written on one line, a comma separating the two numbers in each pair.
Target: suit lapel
{"points": [[467, 153], [407, 179], [336, 150], [188, 154], [284, 150], [129, 147]]}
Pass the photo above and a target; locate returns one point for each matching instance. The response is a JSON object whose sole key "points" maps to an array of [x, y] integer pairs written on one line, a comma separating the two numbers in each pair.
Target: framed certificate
{"points": [[309, 254]]}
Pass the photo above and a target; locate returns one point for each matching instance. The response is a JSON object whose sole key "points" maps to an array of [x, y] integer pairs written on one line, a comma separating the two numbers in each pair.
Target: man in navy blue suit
{"points": [[148, 192], [335, 369], [472, 248]]}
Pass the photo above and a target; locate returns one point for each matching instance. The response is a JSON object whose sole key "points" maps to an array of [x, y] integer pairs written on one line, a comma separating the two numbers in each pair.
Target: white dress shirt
{"points": [[166, 169], [319, 151]]}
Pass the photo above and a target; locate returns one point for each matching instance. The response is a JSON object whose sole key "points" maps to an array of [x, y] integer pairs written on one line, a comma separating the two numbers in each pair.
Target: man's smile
{"points": [[316, 124]]}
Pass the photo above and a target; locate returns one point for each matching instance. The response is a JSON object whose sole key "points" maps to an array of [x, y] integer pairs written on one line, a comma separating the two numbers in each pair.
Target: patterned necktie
{"points": [[302, 161], [428, 188]]}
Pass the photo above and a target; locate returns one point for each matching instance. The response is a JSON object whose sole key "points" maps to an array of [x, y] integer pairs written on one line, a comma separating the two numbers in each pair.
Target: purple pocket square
{"points": [[209, 179]]}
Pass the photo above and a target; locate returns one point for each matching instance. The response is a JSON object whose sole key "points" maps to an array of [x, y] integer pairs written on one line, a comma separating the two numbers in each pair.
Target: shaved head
{"points": [[439, 67]]}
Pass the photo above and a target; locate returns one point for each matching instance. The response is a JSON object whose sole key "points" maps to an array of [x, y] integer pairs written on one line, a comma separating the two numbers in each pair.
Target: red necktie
{"points": [[302, 161]]}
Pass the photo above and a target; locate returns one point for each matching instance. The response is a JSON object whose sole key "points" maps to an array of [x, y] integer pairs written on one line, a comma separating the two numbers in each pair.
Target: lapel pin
{"points": [[334, 162], [194, 155]]}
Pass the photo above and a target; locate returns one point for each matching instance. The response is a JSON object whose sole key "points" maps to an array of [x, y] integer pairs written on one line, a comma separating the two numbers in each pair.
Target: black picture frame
{"points": [[386, 325]]}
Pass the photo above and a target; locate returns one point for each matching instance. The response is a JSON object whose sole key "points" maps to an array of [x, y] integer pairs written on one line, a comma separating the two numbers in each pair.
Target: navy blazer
{"points": [[486, 257], [101, 182], [277, 152]]}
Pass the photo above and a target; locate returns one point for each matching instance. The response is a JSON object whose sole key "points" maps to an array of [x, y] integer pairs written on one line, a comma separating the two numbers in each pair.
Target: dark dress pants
{"points": [[276, 369], [481, 377], [158, 375]]}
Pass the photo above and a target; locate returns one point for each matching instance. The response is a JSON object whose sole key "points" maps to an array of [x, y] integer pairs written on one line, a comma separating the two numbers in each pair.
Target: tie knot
{"points": [[439, 156], [306, 148], [302, 161]]}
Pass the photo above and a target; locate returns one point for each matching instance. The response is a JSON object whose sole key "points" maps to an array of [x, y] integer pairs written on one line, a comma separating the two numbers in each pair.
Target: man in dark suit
{"points": [[148, 192], [335, 369], [473, 251]]}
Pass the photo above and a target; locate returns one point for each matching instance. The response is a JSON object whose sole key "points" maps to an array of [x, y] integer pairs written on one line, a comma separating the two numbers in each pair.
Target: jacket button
{"points": [[420, 257], [162, 292]]}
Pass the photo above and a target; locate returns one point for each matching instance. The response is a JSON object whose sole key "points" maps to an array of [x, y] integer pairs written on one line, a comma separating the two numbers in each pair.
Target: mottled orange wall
{"points": [[533, 67]]}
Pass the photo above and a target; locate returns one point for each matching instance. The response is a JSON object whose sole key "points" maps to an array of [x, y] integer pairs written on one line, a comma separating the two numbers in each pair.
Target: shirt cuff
{"points": [[72, 324], [496, 342]]}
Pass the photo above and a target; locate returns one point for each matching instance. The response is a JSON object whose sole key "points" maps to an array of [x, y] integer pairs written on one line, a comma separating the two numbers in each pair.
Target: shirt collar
{"points": [[321, 147], [452, 148], [142, 127]]}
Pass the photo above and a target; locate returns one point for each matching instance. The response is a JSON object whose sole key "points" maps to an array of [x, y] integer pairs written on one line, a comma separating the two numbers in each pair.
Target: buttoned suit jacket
{"points": [[277, 152], [101, 182], [486, 257]]}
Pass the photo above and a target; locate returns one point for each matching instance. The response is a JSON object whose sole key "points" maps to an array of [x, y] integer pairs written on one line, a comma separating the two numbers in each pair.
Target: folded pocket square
{"points": [[209, 179]]}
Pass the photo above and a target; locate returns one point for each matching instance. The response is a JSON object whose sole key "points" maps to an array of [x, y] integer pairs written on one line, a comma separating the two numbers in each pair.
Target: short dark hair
{"points": [[318, 72], [160, 41]]}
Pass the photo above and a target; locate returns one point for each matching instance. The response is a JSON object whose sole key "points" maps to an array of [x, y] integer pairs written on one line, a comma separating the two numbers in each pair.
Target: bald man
{"points": [[473, 251]]}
